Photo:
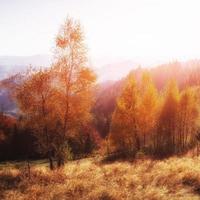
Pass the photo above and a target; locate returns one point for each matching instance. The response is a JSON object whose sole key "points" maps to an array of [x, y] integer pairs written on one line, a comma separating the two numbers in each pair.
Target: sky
{"points": [[146, 31]]}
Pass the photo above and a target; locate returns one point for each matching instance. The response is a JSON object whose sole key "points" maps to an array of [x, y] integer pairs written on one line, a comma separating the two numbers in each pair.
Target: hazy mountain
{"points": [[13, 64], [35, 60], [115, 71]]}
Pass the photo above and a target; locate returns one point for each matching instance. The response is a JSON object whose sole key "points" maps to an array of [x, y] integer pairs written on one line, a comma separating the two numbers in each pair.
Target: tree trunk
{"points": [[137, 141], [29, 169], [144, 139], [51, 165], [60, 162]]}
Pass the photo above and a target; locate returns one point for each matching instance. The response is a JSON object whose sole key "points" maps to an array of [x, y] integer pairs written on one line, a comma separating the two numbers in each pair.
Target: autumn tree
{"points": [[167, 126], [55, 103], [7, 127], [36, 103], [148, 109], [124, 133], [74, 80], [188, 119]]}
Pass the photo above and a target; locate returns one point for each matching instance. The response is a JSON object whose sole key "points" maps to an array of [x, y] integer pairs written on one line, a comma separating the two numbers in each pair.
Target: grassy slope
{"points": [[174, 178]]}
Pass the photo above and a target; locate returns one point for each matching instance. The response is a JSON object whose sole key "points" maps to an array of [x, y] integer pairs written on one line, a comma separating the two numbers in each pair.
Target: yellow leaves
{"points": [[187, 97], [129, 96], [61, 42], [148, 107], [76, 35], [172, 90], [33, 91], [87, 75], [170, 105], [70, 34], [85, 79], [123, 127], [188, 103]]}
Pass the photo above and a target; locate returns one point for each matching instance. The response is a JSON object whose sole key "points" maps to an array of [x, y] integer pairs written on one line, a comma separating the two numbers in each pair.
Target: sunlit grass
{"points": [[174, 178]]}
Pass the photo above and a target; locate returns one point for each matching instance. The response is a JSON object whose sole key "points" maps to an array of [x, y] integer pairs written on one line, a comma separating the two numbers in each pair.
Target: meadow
{"points": [[93, 179]]}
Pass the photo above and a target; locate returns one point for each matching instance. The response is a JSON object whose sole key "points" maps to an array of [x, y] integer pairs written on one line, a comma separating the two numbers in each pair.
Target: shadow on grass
{"points": [[133, 156], [118, 156], [17, 164], [8, 182], [192, 182]]}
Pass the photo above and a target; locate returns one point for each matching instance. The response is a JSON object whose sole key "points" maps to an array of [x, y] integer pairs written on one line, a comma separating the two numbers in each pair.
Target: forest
{"points": [[64, 115]]}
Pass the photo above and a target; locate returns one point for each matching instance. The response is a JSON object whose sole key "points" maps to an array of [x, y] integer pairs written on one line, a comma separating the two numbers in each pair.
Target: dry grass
{"points": [[174, 178]]}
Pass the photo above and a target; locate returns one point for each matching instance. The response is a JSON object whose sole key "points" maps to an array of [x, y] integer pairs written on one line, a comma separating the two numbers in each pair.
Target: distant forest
{"points": [[63, 114]]}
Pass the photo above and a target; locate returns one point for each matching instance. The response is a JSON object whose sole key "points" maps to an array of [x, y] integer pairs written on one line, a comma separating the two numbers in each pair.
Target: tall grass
{"points": [[173, 178]]}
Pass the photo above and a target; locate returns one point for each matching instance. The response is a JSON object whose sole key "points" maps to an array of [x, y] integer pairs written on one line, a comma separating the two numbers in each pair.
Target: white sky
{"points": [[142, 30]]}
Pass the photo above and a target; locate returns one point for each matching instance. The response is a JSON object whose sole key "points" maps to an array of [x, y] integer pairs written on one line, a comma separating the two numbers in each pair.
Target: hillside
{"points": [[174, 178]]}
